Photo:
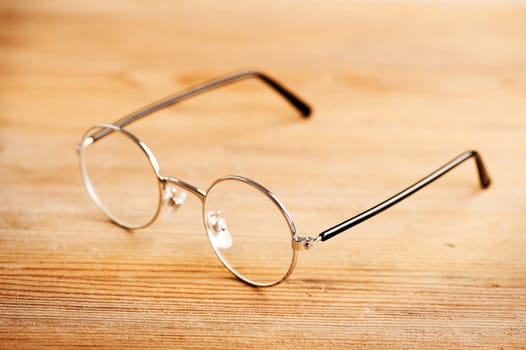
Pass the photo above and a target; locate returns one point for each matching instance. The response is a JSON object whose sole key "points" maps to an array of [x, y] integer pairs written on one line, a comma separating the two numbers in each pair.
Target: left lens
{"points": [[120, 178], [249, 230]]}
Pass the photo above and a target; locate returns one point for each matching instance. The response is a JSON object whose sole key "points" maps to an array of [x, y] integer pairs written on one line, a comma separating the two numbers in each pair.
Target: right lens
{"points": [[120, 177], [249, 231]]}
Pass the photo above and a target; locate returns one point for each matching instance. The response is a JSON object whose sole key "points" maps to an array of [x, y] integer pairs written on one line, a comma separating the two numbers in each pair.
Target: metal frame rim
{"points": [[283, 212], [91, 190]]}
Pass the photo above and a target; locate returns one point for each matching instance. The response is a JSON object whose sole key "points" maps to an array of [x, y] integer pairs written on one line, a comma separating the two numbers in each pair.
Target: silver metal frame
{"points": [[297, 242], [88, 140], [102, 130], [283, 212]]}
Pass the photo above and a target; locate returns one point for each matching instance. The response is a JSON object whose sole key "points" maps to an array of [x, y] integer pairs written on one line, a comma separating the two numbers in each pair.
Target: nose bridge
{"points": [[199, 193]]}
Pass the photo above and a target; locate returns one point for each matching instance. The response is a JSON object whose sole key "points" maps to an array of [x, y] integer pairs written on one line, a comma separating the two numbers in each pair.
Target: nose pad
{"points": [[220, 237], [173, 197]]}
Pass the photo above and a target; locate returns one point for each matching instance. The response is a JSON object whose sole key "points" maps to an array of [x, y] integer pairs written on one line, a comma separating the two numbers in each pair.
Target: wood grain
{"points": [[397, 88]]}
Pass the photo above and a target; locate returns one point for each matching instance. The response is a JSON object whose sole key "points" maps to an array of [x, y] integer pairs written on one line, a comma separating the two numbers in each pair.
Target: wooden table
{"points": [[397, 90]]}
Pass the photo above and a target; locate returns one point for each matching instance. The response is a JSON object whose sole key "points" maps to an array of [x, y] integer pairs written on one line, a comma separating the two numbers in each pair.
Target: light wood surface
{"points": [[397, 89]]}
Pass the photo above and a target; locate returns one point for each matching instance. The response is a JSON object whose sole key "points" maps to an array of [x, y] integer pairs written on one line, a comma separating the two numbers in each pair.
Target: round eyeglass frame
{"points": [[87, 140], [277, 203], [163, 181]]}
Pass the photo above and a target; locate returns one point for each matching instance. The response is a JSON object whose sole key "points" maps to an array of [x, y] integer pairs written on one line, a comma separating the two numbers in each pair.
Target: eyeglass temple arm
{"points": [[484, 178], [302, 107]]}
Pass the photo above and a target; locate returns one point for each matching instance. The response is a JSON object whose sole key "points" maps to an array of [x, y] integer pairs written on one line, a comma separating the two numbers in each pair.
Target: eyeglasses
{"points": [[248, 227]]}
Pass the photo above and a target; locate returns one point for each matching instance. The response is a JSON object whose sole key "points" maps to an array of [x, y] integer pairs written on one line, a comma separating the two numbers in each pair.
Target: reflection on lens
{"points": [[120, 179], [248, 231]]}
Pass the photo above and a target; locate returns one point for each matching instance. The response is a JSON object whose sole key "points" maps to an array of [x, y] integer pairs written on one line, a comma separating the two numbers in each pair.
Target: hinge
{"points": [[304, 243]]}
